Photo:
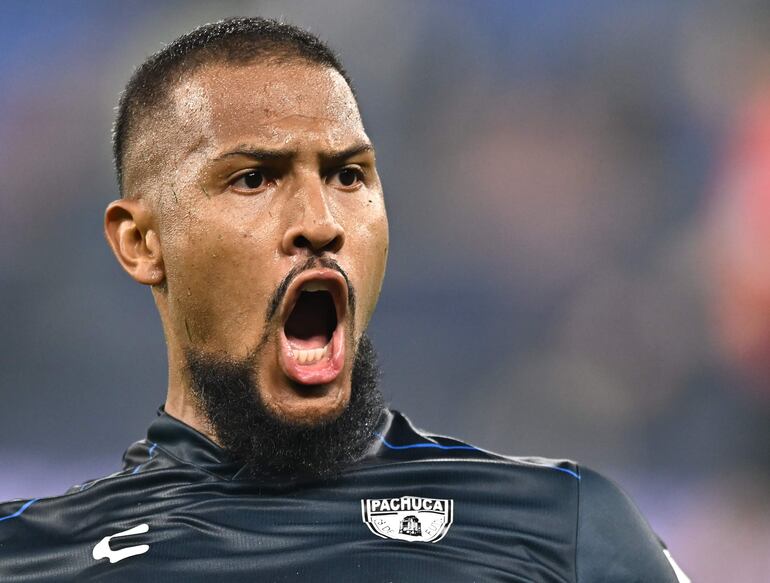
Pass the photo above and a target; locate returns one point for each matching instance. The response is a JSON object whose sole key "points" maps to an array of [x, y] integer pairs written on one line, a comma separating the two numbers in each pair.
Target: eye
{"points": [[348, 177], [251, 180]]}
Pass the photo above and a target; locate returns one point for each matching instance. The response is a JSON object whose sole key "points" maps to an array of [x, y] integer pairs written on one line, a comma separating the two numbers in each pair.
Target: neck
{"points": [[180, 403]]}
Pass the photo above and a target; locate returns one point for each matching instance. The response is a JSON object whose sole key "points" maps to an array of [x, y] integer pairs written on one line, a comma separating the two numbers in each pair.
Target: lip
{"points": [[338, 289], [329, 369]]}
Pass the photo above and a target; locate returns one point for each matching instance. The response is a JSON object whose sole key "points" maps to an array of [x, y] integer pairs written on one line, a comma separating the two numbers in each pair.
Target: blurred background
{"points": [[579, 198]]}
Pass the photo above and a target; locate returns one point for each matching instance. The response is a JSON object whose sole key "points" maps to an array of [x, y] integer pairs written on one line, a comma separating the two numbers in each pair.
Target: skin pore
{"points": [[252, 171]]}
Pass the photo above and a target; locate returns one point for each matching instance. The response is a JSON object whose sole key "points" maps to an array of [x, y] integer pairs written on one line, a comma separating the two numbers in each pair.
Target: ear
{"points": [[128, 228]]}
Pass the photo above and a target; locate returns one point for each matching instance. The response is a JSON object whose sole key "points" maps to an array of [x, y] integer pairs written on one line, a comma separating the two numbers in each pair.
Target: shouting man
{"points": [[251, 205]]}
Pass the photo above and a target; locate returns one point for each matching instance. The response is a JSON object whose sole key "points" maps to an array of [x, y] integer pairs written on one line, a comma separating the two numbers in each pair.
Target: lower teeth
{"points": [[310, 356]]}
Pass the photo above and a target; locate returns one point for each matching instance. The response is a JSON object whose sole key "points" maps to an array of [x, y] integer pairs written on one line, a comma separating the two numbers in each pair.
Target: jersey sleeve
{"points": [[614, 541]]}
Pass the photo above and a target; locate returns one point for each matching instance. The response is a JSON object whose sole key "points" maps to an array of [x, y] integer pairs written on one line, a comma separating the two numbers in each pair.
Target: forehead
{"points": [[279, 103]]}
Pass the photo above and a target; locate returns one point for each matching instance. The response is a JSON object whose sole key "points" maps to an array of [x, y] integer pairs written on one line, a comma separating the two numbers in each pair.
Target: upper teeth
{"points": [[314, 286]]}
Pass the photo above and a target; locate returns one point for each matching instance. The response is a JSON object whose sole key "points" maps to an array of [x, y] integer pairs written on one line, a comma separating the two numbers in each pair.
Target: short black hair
{"points": [[233, 40]]}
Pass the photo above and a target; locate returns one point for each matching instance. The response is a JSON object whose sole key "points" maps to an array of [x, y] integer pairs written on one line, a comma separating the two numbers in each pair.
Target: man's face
{"points": [[269, 168]]}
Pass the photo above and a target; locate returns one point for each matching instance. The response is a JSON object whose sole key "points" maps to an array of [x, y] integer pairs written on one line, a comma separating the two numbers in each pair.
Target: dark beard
{"points": [[228, 395]]}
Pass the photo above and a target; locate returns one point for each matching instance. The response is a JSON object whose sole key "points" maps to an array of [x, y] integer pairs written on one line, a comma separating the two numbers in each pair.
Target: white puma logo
{"points": [[102, 549]]}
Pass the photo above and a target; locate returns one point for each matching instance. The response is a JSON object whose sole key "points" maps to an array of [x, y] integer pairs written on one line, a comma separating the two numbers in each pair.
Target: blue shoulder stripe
{"points": [[389, 445], [149, 457], [566, 471], [20, 510]]}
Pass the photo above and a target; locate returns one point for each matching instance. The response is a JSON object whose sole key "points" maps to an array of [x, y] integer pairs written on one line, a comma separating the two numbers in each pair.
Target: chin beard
{"points": [[227, 394]]}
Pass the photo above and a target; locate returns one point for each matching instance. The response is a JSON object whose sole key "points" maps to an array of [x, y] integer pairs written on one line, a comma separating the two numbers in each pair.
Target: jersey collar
{"points": [[190, 446]]}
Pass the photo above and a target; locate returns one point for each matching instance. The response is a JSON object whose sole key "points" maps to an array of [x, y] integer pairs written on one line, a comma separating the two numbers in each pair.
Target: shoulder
{"points": [[401, 441], [54, 538], [147, 472], [614, 541]]}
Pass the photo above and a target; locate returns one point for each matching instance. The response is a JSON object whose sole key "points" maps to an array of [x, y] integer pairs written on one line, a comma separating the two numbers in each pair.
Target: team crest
{"points": [[408, 518]]}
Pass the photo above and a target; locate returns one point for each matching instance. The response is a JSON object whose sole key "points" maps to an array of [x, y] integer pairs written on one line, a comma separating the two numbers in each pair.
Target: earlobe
{"points": [[134, 241]]}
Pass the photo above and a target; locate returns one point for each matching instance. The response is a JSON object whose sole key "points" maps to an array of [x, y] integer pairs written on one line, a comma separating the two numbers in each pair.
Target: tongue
{"points": [[310, 321]]}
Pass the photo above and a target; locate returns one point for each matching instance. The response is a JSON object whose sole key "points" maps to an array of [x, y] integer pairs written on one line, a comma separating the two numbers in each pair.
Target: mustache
{"points": [[311, 263]]}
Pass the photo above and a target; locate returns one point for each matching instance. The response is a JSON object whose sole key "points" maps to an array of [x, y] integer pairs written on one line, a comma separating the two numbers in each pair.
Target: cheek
{"points": [[218, 286], [369, 251]]}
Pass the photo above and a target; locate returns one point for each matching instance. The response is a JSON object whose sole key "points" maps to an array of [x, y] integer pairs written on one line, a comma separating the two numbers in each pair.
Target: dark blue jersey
{"points": [[416, 508]]}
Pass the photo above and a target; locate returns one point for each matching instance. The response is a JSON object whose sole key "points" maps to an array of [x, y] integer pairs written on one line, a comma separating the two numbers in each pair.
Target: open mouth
{"points": [[311, 324], [312, 339]]}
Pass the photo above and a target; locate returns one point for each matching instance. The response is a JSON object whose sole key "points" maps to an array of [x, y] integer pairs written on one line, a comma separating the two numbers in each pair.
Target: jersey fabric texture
{"points": [[416, 508]]}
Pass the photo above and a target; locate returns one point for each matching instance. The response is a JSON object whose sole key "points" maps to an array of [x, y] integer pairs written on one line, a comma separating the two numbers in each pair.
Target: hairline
{"points": [[166, 100], [237, 41]]}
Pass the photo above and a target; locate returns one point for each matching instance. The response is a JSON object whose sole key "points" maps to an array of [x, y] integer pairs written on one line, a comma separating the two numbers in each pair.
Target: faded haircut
{"points": [[234, 41]]}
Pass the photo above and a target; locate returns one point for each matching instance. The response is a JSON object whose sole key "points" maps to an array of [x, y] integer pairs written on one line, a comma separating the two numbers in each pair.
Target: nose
{"points": [[316, 230]]}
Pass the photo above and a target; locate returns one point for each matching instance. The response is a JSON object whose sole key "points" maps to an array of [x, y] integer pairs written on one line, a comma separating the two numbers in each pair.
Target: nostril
{"points": [[335, 244], [318, 240]]}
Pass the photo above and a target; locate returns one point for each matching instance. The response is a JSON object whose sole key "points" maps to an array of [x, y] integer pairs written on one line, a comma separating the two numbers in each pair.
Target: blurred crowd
{"points": [[579, 199]]}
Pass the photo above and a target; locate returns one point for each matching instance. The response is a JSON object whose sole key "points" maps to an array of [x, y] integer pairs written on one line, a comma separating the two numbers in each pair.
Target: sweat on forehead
{"points": [[233, 41]]}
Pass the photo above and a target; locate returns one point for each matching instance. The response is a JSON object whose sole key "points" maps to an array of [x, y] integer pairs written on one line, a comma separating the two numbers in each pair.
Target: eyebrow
{"points": [[267, 155]]}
